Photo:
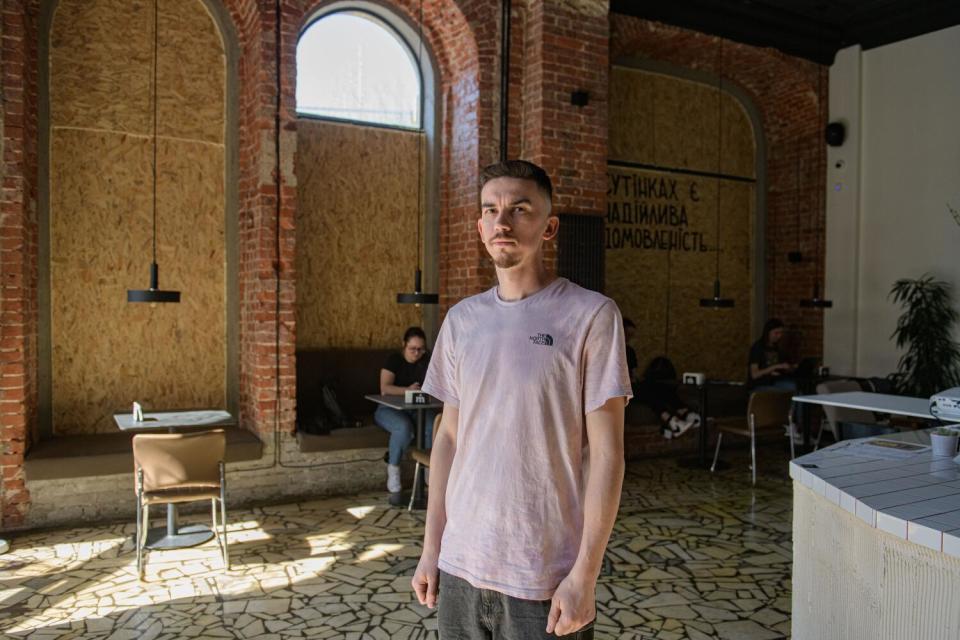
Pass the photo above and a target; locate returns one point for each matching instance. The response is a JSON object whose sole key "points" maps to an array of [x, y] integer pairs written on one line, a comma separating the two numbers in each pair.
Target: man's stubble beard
{"points": [[506, 261]]}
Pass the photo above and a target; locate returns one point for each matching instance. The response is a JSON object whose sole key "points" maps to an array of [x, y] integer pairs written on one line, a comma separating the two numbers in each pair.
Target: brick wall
{"points": [[18, 240], [784, 89], [558, 46]]}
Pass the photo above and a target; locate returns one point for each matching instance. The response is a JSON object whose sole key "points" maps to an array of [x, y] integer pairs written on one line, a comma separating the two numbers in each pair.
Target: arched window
{"points": [[352, 66]]}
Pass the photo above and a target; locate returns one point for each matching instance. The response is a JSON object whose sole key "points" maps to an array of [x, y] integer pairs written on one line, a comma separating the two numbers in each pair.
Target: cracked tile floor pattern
{"points": [[691, 556]]}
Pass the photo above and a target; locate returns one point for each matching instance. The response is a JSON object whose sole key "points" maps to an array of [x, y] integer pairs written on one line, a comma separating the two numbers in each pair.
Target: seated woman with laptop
{"points": [[403, 370]]}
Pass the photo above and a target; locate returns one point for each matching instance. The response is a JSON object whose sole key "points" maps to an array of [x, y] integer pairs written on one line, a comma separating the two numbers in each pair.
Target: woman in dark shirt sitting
{"points": [[402, 371], [767, 366]]}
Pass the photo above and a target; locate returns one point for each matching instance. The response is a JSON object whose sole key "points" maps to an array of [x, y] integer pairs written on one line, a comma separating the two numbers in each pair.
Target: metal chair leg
{"points": [[753, 451], [145, 527], [716, 453], [793, 453], [416, 477], [143, 511], [816, 443], [136, 534], [223, 516]]}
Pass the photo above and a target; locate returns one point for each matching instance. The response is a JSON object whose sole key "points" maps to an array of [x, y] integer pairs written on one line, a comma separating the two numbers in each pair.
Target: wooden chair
{"points": [[422, 457], [180, 467], [766, 411]]}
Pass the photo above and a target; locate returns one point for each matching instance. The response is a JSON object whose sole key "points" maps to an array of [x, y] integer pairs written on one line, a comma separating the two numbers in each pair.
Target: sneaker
{"points": [[396, 500], [693, 419], [393, 478], [666, 432], [678, 426]]}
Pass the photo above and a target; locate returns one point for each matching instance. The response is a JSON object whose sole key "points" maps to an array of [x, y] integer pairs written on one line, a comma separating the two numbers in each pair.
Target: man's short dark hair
{"points": [[518, 169]]}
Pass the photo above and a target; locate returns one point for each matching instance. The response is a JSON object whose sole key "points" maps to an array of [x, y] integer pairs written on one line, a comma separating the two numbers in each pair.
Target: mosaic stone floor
{"points": [[692, 556]]}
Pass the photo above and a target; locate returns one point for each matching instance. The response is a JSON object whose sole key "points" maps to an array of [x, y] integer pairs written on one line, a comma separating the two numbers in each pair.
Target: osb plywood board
{"points": [[661, 240], [356, 234], [101, 68], [107, 353], [666, 121]]}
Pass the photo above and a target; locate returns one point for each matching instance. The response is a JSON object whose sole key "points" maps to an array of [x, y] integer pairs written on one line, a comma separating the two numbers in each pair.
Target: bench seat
{"points": [[368, 437], [103, 454]]}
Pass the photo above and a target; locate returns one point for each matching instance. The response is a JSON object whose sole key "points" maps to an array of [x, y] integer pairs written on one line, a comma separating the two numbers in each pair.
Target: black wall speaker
{"points": [[835, 134]]}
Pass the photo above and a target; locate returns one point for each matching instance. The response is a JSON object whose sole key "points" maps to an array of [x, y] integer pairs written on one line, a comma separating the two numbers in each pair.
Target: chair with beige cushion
{"points": [[766, 411], [175, 468], [422, 457]]}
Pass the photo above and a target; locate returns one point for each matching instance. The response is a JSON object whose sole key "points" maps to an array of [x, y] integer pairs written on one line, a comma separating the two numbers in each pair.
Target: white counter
{"points": [[876, 543], [916, 498]]}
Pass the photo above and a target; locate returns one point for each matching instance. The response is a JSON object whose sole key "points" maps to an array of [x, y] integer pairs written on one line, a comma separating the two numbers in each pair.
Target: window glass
{"points": [[354, 67]]}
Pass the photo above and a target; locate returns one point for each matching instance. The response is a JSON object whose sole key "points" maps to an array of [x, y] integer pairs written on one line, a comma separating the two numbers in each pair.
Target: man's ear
{"points": [[553, 226], [480, 229]]}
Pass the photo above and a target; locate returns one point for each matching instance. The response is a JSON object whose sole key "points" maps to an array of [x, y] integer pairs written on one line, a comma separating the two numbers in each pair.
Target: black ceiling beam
{"points": [[754, 24], [904, 20], [814, 31]]}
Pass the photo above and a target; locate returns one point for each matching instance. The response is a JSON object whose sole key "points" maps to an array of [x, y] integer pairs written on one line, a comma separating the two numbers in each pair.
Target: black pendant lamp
{"points": [[418, 296], [816, 302], [154, 293], [717, 301]]}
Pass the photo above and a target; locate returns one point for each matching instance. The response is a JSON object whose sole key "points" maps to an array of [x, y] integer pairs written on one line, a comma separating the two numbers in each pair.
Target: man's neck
{"points": [[518, 282]]}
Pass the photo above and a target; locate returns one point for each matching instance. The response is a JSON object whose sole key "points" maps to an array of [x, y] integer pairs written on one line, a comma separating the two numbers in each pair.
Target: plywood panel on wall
{"points": [[671, 122], [356, 234], [101, 58], [106, 352], [662, 223]]}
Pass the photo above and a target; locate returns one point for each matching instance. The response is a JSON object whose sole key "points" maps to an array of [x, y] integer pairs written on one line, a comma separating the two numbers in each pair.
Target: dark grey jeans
{"points": [[467, 613]]}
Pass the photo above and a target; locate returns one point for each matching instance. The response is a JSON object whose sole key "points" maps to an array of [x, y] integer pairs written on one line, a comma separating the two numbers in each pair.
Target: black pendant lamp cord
{"points": [[504, 78], [719, 148], [821, 170], [156, 46], [420, 139], [797, 196]]}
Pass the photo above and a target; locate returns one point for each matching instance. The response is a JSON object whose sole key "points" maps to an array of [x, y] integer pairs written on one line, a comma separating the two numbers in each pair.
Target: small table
{"points": [[865, 401], [173, 536], [397, 402], [702, 459]]}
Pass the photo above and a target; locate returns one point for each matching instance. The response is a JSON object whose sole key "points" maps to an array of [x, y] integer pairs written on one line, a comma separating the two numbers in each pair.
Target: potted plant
{"points": [[931, 361], [944, 441]]}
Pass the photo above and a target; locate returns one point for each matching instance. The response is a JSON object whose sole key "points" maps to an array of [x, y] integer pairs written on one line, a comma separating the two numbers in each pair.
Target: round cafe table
{"points": [[173, 536]]}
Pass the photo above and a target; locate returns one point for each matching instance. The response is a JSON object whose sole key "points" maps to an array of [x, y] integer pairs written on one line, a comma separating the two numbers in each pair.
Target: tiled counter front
{"points": [[876, 545]]}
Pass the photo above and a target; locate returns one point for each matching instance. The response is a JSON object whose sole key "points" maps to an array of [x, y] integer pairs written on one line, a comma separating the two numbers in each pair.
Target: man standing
{"points": [[527, 465]]}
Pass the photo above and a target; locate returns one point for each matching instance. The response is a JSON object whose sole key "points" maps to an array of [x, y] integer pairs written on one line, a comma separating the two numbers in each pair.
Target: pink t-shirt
{"points": [[523, 375]]}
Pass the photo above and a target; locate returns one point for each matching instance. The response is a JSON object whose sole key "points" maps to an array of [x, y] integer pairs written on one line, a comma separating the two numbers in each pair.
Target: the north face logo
{"points": [[542, 338]]}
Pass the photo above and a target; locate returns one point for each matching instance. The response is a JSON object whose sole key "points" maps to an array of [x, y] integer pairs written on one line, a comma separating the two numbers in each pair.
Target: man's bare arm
{"points": [[426, 577], [574, 601]]}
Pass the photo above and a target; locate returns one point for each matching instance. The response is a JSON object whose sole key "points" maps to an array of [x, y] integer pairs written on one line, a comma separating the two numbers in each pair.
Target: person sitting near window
{"points": [[402, 371], [767, 367], [658, 390]]}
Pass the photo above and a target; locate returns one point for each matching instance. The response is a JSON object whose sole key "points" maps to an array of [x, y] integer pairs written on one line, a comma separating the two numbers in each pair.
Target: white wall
{"points": [[887, 215]]}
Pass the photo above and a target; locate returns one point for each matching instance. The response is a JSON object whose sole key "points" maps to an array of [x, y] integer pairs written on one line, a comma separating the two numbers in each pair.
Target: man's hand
{"points": [[415, 386], [425, 580], [573, 606]]}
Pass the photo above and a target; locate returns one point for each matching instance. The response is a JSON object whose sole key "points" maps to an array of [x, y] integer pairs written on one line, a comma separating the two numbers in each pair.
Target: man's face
{"points": [[514, 221], [775, 336]]}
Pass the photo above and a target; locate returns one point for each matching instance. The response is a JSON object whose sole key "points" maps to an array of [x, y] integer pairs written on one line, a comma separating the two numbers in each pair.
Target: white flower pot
{"points": [[944, 445]]}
